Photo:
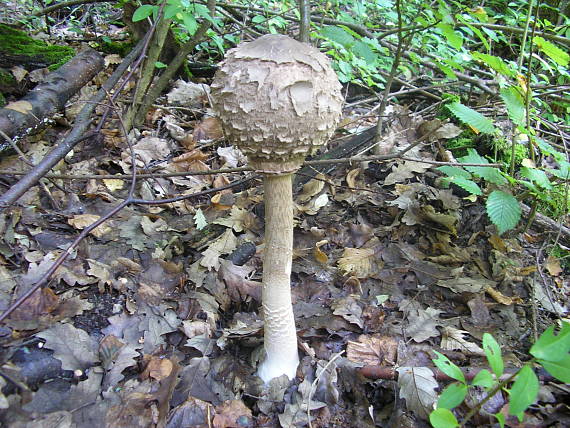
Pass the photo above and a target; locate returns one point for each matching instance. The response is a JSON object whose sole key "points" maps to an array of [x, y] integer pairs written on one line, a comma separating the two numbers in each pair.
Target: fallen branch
{"points": [[389, 373], [77, 134], [69, 3], [51, 95], [547, 224], [129, 201]]}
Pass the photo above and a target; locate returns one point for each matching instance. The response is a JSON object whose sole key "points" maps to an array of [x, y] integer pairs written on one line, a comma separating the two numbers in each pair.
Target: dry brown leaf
{"points": [[222, 201], [24, 107], [453, 339], [239, 220], [19, 73], [41, 302], [113, 59], [196, 328], [158, 368], [81, 221], [187, 158], [225, 244], [314, 205], [114, 184], [237, 283], [221, 180], [351, 178], [230, 414], [501, 298], [208, 129], [373, 350], [553, 266], [312, 188], [498, 244], [357, 261], [319, 255]]}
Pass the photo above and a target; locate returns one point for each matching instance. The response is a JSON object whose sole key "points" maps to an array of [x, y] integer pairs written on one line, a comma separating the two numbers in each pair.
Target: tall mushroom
{"points": [[278, 100]]}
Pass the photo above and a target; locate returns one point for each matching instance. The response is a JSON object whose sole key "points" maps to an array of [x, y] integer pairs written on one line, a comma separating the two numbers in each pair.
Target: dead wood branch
{"points": [[82, 123], [546, 224], [61, 5], [50, 96]]}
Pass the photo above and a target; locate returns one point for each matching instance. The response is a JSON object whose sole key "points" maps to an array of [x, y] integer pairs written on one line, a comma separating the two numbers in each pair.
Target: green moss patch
{"points": [[17, 43]]}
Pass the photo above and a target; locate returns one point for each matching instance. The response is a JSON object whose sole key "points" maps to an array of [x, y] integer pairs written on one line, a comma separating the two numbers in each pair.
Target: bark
{"points": [[20, 117], [82, 124], [280, 334], [135, 115]]}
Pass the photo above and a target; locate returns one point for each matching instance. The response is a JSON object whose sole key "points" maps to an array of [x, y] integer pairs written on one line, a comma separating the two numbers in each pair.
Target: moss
{"points": [[120, 48], [15, 42], [504, 151], [2, 100], [7, 80]]}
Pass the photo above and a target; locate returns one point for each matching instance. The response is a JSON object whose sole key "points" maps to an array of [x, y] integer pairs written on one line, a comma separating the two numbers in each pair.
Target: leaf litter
{"points": [[154, 319]]}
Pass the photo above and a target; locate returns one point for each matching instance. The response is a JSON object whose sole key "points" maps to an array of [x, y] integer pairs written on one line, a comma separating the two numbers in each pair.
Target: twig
{"points": [[69, 3], [389, 373], [305, 21], [314, 385], [403, 43], [161, 83], [76, 135], [130, 200]]}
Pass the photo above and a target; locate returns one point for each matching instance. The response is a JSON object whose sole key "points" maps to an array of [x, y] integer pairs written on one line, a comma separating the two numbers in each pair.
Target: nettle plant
{"points": [[550, 352]]}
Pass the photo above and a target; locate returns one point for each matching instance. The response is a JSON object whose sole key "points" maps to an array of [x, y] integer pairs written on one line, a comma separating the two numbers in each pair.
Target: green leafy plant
{"points": [[503, 208], [181, 12], [551, 351]]}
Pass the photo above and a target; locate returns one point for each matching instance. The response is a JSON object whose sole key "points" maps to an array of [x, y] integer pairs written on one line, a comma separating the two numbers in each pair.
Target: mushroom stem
{"points": [[280, 334]]}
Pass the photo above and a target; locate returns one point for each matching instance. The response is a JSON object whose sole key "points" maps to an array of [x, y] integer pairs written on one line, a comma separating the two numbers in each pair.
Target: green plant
{"points": [[502, 207], [550, 351], [181, 12]]}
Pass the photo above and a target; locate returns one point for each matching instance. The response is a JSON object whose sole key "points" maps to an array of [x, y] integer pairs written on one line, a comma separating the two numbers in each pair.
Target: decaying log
{"points": [[20, 117]]}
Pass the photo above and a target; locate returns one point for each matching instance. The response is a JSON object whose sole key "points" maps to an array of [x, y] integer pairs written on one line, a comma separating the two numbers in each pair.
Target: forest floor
{"points": [[154, 320]]}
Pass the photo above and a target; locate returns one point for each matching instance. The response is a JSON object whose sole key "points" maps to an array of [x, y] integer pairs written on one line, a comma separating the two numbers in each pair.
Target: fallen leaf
{"points": [[501, 298], [375, 350], [237, 283], [73, 346], [417, 385], [348, 308], [81, 221], [351, 177], [158, 368], [188, 94], [553, 266], [318, 254], [116, 356], [312, 188], [112, 59], [114, 184], [453, 339], [225, 244], [19, 73], [405, 171], [357, 261], [41, 302], [24, 107], [239, 220], [232, 414]]}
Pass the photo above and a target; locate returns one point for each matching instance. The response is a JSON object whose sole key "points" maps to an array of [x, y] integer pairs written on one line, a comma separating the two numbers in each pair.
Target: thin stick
{"points": [[314, 385]]}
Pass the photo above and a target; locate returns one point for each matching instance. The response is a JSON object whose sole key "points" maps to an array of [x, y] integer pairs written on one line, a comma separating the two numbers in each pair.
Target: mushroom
{"points": [[278, 101]]}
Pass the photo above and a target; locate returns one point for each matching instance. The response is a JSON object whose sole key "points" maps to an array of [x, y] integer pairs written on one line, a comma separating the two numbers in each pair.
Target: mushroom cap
{"points": [[278, 100]]}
